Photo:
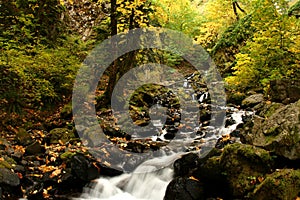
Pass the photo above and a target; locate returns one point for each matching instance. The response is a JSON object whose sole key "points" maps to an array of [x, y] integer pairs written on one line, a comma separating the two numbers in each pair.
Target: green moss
{"points": [[239, 162], [67, 155], [283, 184], [272, 109], [62, 134], [66, 112]]}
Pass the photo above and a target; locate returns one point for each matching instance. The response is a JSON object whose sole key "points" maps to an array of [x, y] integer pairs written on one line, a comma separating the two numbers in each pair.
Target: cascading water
{"points": [[143, 183], [150, 179]]}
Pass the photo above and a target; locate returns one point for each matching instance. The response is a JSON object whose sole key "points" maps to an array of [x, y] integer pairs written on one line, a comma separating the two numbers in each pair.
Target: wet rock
{"points": [[282, 184], [279, 133], [223, 141], [186, 165], [229, 121], [184, 188], [58, 135], [8, 178], [211, 173], [239, 162], [83, 168], [169, 135], [34, 149], [252, 100]]}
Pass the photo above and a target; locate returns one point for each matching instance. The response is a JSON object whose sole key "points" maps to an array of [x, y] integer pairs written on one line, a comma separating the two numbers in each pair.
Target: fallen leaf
{"points": [[55, 173], [193, 178]]}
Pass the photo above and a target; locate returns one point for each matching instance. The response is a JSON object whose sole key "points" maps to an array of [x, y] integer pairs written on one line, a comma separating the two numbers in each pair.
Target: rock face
{"points": [[9, 178], [252, 100], [284, 91], [282, 184], [280, 133], [240, 163], [183, 188], [186, 165]]}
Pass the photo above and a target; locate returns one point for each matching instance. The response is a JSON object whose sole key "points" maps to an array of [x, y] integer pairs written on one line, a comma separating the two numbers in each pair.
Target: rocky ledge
{"points": [[264, 166]]}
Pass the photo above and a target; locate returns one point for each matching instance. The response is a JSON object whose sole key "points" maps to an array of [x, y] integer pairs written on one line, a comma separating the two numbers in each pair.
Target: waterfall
{"points": [[143, 184], [150, 179]]}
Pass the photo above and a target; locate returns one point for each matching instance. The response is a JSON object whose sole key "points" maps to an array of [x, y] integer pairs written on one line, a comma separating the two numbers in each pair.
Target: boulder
{"points": [[8, 178], [186, 165], [184, 188], [240, 162], [266, 109], [83, 168], [284, 91], [279, 133], [60, 134], [23, 137], [282, 184], [34, 149], [252, 100]]}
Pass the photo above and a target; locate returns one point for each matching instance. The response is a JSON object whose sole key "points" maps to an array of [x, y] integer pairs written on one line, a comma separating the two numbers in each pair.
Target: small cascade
{"points": [[150, 179], [142, 184]]}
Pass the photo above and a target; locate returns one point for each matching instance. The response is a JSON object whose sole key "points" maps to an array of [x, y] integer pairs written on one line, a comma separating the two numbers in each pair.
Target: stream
{"points": [[150, 179]]}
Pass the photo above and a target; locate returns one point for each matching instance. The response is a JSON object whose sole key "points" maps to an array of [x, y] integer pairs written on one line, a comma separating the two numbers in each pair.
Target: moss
{"points": [[67, 155], [5, 164], [240, 162], [272, 109], [282, 184], [66, 112], [62, 134]]}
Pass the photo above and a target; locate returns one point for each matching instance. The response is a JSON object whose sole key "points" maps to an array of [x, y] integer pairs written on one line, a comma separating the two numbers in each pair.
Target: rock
{"points": [[224, 140], [282, 184], [60, 134], [212, 175], [235, 98], [83, 168], [186, 164], [252, 100], [34, 149], [9, 178], [67, 155], [23, 137], [7, 162], [184, 188], [239, 162], [284, 91], [266, 109], [279, 133], [229, 121]]}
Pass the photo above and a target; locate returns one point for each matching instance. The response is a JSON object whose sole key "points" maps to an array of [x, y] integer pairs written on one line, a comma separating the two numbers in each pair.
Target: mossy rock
{"points": [[235, 98], [58, 135], [279, 133], [5, 164], [67, 155], [282, 184], [267, 109], [240, 163], [23, 137]]}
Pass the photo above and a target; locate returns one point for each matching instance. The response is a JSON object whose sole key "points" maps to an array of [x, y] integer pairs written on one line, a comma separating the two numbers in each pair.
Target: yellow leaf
{"points": [[55, 173], [193, 178]]}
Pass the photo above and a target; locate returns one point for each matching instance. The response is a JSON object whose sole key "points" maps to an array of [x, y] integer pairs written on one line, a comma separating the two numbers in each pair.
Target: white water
{"points": [[149, 180], [139, 185]]}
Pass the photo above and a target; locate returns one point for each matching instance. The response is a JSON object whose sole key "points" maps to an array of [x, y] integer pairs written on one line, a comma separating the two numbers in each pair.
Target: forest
{"points": [[255, 45]]}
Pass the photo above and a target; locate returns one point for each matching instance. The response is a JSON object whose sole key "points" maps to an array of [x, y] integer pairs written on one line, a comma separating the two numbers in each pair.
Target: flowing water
{"points": [[134, 186], [149, 180]]}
